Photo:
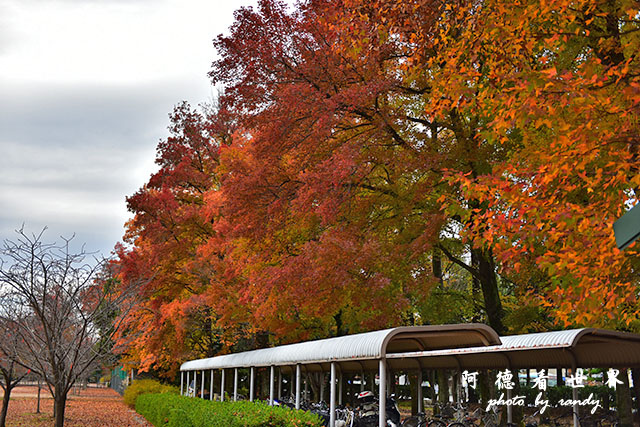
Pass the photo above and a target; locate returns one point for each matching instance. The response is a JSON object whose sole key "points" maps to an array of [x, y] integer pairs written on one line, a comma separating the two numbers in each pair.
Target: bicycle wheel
{"points": [[411, 422], [457, 424], [437, 423]]}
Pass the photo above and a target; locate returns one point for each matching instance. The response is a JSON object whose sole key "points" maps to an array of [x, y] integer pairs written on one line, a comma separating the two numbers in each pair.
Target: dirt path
{"points": [[93, 407]]}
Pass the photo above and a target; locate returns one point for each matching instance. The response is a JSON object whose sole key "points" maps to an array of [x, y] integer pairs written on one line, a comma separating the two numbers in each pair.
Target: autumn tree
{"points": [[57, 305], [345, 166], [553, 87], [562, 81], [162, 240], [406, 161]]}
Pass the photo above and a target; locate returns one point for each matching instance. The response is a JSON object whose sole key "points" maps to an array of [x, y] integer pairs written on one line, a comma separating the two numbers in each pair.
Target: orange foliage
{"points": [[354, 138], [557, 84]]}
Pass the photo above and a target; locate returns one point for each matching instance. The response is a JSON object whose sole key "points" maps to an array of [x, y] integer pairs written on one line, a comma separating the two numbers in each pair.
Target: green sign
{"points": [[627, 228]]}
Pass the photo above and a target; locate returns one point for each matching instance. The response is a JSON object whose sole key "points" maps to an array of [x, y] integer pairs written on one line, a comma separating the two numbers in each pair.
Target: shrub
{"points": [[139, 387], [179, 418], [172, 410]]}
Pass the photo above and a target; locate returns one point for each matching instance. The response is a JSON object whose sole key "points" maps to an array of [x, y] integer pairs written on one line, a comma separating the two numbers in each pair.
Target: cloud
{"points": [[111, 41], [71, 154], [86, 87]]}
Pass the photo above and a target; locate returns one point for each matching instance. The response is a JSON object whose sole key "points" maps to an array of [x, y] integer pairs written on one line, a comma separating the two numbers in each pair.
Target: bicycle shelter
{"points": [[586, 347], [352, 353], [461, 346]]}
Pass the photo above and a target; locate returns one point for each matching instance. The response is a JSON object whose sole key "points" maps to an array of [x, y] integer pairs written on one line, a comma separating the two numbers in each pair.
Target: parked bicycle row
{"points": [[458, 415], [365, 414]]}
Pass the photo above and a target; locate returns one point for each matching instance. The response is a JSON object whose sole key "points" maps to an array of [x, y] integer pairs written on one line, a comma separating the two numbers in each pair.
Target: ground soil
{"points": [[89, 407]]}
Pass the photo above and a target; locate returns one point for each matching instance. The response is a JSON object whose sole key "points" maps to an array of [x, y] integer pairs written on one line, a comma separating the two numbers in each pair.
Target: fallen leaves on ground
{"points": [[91, 407]]}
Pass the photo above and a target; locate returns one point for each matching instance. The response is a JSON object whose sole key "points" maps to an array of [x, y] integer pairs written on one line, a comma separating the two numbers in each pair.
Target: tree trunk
{"points": [[482, 261], [432, 385], [436, 264], [443, 386], [413, 387], [560, 380], [623, 397], [59, 405], [311, 380], [517, 411], [486, 389], [5, 406], [39, 391]]}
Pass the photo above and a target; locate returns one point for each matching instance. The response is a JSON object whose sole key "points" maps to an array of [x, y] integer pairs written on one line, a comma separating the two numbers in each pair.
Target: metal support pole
{"points": [[509, 407], [576, 414], [321, 386], [340, 388], [298, 381], [332, 396], [181, 383], [362, 380], [420, 398], [188, 383], [235, 384], [382, 397], [202, 386], [222, 387], [272, 374], [211, 386], [279, 395], [251, 381], [195, 383]]}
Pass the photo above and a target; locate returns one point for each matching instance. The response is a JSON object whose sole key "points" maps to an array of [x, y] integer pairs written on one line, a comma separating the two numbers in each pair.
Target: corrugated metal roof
{"points": [[365, 346], [587, 347], [541, 339]]}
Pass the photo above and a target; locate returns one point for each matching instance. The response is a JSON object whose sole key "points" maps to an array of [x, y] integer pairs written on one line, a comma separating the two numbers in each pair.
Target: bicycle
{"points": [[598, 420], [446, 413], [531, 420], [345, 417], [466, 419], [564, 419], [421, 420], [609, 419]]}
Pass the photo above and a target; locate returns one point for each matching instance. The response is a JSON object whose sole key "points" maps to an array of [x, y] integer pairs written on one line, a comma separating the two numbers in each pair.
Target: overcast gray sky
{"points": [[86, 87]]}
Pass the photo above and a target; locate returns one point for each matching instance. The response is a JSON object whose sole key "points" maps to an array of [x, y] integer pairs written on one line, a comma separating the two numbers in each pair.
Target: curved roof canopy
{"points": [[355, 352], [586, 347]]}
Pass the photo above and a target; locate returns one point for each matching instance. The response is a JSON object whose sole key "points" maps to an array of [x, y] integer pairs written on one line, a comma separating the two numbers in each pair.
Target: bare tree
{"points": [[11, 373], [63, 311]]}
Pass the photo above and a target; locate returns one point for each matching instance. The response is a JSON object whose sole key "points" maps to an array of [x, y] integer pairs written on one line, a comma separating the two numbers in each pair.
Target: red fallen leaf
{"points": [[92, 407]]}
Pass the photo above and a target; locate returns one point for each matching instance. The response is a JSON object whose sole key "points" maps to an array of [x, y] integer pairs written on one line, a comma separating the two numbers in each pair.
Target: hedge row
{"points": [[139, 387], [173, 410]]}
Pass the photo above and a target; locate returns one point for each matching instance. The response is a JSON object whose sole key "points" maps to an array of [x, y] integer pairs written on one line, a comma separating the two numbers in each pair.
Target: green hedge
{"points": [[172, 410], [139, 387]]}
